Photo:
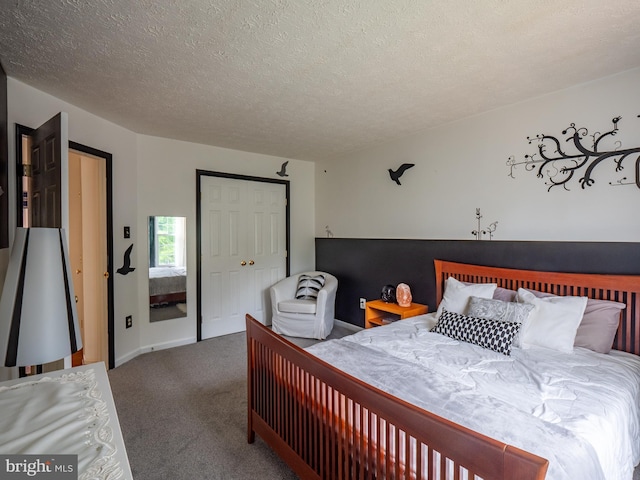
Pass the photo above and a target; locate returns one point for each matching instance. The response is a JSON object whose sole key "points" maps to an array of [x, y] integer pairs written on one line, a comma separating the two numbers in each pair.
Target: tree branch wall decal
{"points": [[559, 165]]}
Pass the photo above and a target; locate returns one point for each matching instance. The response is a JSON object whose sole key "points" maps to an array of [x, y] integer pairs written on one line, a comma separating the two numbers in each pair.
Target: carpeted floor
{"points": [[183, 414]]}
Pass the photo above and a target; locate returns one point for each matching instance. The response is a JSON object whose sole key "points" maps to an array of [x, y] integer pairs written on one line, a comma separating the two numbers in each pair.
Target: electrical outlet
{"points": [[128, 321], [363, 303]]}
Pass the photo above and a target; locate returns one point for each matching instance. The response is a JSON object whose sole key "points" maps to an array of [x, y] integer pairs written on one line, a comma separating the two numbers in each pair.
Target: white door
{"points": [[243, 239]]}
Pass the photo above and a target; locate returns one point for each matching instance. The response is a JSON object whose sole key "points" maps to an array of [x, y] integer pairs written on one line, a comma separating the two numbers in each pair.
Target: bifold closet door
{"points": [[243, 238]]}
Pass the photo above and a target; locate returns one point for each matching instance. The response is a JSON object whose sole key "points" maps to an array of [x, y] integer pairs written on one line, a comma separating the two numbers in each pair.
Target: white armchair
{"points": [[299, 317]]}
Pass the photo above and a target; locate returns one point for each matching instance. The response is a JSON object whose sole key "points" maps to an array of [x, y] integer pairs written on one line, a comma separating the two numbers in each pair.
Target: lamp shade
{"points": [[38, 318]]}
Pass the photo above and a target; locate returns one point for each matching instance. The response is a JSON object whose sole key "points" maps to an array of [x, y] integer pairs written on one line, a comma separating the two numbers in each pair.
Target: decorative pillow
{"points": [[599, 324], [456, 295], [554, 321], [505, 294], [501, 311], [308, 287], [492, 334]]}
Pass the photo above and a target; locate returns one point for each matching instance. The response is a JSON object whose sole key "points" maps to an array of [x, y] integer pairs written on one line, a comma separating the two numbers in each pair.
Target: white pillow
{"points": [[553, 322], [456, 295]]}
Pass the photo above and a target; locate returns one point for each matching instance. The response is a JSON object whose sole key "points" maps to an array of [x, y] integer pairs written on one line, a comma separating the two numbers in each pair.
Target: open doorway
{"points": [[90, 239]]}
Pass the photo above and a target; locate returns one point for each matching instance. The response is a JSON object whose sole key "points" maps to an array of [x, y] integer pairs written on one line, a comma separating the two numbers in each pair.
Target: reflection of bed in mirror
{"points": [[167, 285], [167, 268]]}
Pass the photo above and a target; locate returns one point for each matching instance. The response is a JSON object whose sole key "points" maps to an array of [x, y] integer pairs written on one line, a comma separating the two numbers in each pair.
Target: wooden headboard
{"points": [[619, 288]]}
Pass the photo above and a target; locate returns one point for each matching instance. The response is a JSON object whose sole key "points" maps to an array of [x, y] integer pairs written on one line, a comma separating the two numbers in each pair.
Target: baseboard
{"points": [[347, 325], [125, 358], [152, 348]]}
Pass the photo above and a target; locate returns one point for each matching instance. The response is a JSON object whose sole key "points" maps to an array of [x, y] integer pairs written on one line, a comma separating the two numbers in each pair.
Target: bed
{"points": [[167, 285], [67, 412], [342, 418]]}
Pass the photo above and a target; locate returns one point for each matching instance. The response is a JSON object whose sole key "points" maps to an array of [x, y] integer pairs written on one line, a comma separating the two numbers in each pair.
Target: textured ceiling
{"points": [[309, 79]]}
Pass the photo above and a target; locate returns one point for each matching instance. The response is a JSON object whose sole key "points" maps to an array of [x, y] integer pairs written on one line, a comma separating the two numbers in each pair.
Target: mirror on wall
{"points": [[167, 268]]}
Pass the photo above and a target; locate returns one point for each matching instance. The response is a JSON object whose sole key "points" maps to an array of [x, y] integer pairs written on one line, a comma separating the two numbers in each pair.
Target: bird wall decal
{"points": [[395, 175], [126, 265], [283, 170]]}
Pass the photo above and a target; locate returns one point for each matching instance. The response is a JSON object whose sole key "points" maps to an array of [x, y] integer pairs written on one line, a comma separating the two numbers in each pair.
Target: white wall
{"points": [[462, 166], [167, 185], [30, 107], [156, 176]]}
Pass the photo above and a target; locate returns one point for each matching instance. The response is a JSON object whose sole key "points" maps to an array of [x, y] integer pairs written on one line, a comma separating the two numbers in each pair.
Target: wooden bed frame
{"points": [[311, 414], [178, 297]]}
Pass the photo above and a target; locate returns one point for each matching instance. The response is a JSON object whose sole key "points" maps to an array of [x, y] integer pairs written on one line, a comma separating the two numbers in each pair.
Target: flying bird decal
{"points": [[395, 176], [126, 266], [283, 170]]}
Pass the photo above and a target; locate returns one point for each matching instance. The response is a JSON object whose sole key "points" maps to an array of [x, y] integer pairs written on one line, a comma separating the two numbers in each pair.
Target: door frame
{"points": [[233, 176], [23, 130]]}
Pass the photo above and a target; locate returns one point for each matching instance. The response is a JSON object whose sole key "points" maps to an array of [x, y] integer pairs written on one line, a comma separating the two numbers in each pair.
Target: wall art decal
{"points": [[479, 232], [126, 264], [395, 176], [283, 169], [585, 152]]}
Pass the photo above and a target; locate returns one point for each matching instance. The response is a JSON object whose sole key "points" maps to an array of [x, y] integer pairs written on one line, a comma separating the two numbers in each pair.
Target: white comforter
{"points": [[580, 410]]}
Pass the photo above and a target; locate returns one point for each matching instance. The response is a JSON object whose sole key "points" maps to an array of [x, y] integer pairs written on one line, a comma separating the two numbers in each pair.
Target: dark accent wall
{"points": [[363, 266]]}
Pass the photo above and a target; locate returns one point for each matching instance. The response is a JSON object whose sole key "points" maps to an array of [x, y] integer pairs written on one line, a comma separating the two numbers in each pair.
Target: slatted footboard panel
{"points": [[327, 424], [619, 288]]}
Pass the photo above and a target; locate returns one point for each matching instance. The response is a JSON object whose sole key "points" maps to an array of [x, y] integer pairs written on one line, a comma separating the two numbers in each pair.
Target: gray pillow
{"points": [[599, 325], [500, 311], [505, 294]]}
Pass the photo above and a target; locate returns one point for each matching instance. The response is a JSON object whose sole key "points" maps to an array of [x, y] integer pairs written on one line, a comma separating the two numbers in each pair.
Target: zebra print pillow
{"points": [[308, 287], [491, 334]]}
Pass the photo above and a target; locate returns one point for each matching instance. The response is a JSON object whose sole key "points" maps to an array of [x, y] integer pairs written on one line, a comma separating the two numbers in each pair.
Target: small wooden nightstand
{"points": [[377, 312]]}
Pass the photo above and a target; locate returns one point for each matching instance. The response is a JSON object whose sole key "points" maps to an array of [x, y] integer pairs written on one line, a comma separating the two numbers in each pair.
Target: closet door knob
{"points": [[251, 262], [243, 263]]}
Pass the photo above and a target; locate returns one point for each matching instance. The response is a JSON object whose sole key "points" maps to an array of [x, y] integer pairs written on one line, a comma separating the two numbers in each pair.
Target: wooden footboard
{"points": [[327, 424]]}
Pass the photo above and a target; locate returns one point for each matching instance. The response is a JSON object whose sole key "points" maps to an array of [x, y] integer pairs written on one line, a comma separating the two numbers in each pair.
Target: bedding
{"points": [[599, 325], [596, 330], [579, 410], [599, 322], [456, 294], [505, 311], [488, 333], [553, 322], [65, 412], [167, 284]]}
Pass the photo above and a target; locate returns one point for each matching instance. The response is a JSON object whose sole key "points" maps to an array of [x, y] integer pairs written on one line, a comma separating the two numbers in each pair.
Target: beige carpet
{"points": [[183, 414]]}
